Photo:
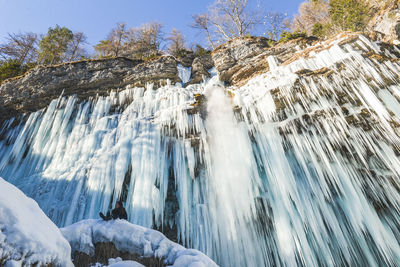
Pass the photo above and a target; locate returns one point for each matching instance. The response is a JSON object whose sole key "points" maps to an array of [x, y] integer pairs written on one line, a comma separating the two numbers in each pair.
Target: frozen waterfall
{"points": [[287, 170]]}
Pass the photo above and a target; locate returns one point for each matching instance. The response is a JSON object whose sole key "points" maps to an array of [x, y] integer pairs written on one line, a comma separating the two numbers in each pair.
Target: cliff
{"points": [[385, 22], [235, 171], [34, 90]]}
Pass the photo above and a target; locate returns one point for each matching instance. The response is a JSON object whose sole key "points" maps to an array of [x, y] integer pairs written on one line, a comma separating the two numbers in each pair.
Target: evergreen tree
{"points": [[54, 45], [348, 14], [12, 68]]}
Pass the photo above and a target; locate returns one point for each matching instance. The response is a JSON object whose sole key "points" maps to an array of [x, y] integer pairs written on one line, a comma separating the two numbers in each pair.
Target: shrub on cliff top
{"points": [[13, 68], [287, 36], [348, 14]]}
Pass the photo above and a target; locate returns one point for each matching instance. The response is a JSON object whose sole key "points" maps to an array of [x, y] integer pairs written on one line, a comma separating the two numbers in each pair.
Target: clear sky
{"points": [[97, 17]]}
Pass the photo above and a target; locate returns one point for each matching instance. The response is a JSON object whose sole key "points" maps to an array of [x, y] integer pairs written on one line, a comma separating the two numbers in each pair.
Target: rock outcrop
{"points": [[200, 68], [86, 79], [385, 22], [240, 59]]}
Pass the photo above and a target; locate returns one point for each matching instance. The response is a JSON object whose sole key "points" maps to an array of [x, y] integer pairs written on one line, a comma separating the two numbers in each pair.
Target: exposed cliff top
{"points": [[236, 61], [243, 58], [385, 22], [88, 78]]}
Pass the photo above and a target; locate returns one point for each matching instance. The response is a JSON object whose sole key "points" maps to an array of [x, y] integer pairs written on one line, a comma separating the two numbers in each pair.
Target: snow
{"points": [[126, 264], [27, 233], [118, 262], [133, 239]]}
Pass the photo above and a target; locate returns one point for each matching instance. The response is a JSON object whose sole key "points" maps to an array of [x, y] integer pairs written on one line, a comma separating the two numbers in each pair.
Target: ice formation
{"points": [[295, 170], [184, 73], [133, 239], [27, 235]]}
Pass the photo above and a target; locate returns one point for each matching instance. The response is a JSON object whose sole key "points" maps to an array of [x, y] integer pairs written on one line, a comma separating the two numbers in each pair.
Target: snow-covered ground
{"points": [[27, 234], [133, 239], [118, 262], [28, 237]]}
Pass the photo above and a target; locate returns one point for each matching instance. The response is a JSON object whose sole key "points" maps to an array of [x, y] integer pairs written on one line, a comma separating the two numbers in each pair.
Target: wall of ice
{"points": [[296, 169]]}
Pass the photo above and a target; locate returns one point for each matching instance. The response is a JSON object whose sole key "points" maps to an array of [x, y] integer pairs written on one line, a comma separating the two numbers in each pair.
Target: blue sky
{"points": [[97, 17]]}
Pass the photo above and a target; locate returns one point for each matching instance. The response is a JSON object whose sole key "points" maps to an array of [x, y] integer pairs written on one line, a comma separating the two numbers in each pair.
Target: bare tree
{"points": [[21, 47], [114, 43], [145, 40], [177, 42], [311, 12], [76, 49], [227, 19], [202, 22], [233, 18], [140, 42], [275, 23]]}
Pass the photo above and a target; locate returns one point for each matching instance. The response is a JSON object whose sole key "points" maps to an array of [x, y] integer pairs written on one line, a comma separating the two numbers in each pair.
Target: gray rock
{"points": [[243, 58], [385, 22], [88, 78], [199, 71], [186, 59]]}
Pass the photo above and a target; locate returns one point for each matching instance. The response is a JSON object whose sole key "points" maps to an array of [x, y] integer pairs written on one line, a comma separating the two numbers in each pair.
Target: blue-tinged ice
{"points": [[287, 170], [184, 73]]}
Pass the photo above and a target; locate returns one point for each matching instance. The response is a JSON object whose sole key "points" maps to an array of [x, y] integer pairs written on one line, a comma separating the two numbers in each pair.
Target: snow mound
{"points": [[118, 262], [126, 264], [27, 234], [133, 239]]}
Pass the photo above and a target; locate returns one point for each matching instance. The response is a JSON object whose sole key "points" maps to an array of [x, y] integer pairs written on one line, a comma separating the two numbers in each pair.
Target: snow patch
{"points": [[133, 239], [27, 233]]}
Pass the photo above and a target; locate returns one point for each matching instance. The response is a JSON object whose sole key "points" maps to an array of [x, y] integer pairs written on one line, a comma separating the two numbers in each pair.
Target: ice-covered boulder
{"points": [[27, 236], [97, 240]]}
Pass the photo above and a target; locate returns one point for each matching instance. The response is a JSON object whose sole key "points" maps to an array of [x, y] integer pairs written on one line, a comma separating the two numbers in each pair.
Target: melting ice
{"points": [[291, 171]]}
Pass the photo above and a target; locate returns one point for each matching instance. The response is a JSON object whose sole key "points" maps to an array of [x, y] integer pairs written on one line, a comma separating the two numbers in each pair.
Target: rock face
{"points": [[240, 59], [386, 20], [85, 79], [200, 67]]}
